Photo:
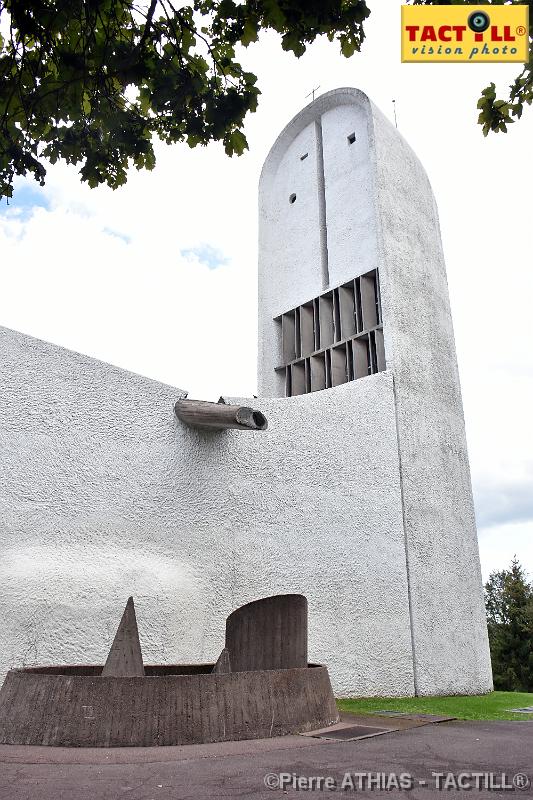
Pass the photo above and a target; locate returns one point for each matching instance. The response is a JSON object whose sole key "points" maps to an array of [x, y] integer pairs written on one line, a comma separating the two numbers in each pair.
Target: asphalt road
{"points": [[238, 769]]}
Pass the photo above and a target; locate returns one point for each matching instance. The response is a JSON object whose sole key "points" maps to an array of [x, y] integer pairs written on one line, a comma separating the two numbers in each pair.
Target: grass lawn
{"points": [[482, 706]]}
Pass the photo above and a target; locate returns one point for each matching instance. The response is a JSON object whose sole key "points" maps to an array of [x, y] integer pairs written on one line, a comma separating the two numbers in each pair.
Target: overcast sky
{"points": [[159, 277]]}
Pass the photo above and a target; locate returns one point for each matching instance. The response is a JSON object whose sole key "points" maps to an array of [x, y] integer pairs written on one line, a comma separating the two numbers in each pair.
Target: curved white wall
{"points": [[106, 494], [358, 497]]}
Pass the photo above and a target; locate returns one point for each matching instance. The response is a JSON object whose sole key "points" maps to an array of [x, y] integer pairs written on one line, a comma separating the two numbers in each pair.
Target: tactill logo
{"points": [[460, 33]]}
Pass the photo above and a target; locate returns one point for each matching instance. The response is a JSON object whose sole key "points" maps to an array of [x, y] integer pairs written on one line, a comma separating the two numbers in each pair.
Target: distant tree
{"points": [[93, 81], [509, 604]]}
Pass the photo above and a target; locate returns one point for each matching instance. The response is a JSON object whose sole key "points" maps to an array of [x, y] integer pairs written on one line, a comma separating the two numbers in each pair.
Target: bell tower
{"points": [[352, 283]]}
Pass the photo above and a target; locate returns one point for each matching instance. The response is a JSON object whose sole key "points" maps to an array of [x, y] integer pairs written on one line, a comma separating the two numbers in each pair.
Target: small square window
{"points": [[351, 138]]}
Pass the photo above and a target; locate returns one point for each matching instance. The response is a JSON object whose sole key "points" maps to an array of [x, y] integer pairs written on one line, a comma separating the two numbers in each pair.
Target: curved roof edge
{"points": [[343, 96]]}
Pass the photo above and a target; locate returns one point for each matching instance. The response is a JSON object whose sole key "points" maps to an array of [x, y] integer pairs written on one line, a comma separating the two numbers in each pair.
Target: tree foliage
{"points": [[496, 114], [92, 82], [509, 604]]}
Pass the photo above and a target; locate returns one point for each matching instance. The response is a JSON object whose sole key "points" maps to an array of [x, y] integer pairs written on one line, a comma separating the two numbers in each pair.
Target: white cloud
{"points": [[500, 544], [104, 273]]}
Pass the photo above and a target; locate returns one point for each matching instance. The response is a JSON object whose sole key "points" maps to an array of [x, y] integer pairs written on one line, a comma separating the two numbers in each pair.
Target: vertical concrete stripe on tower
{"points": [[321, 185]]}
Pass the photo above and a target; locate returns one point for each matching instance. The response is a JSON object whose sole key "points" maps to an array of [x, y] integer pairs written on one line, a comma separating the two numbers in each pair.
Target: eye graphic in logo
{"points": [[478, 21]]}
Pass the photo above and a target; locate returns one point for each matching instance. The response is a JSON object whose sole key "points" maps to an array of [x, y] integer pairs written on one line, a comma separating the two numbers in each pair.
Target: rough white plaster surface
{"points": [[357, 496], [451, 652], [104, 493], [380, 212]]}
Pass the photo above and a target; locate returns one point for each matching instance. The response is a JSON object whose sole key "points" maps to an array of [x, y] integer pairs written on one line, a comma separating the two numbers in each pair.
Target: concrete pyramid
{"points": [[125, 658]]}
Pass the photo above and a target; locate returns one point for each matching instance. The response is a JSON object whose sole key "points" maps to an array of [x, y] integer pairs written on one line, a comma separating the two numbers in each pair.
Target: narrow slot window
{"points": [[347, 311], [372, 365], [336, 316], [327, 335], [378, 299], [351, 138], [288, 342], [307, 335], [349, 361], [298, 378], [338, 366], [360, 357], [302, 158], [316, 322], [292, 198], [328, 369], [318, 372], [307, 372], [368, 301], [358, 308], [297, 339], [380, 350]]}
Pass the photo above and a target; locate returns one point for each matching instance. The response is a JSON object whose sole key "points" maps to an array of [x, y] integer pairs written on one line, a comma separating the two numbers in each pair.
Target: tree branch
{"points": [[149, 17]]}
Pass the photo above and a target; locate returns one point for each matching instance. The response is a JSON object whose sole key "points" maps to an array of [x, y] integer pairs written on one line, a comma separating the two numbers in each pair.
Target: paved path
{"points": [[237, 769]]}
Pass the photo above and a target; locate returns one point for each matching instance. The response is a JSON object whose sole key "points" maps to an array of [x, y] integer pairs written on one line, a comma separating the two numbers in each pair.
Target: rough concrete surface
{"points": [[270, 633], [358, 497], [238, 769], [381, 213], [182, 704], [125, 658], [107, 494]]}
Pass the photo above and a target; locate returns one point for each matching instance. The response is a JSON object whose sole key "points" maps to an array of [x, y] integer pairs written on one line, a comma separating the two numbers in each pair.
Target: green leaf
{"points": [[235, 143], [250, 32], [86, 104], [348, 46]]}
